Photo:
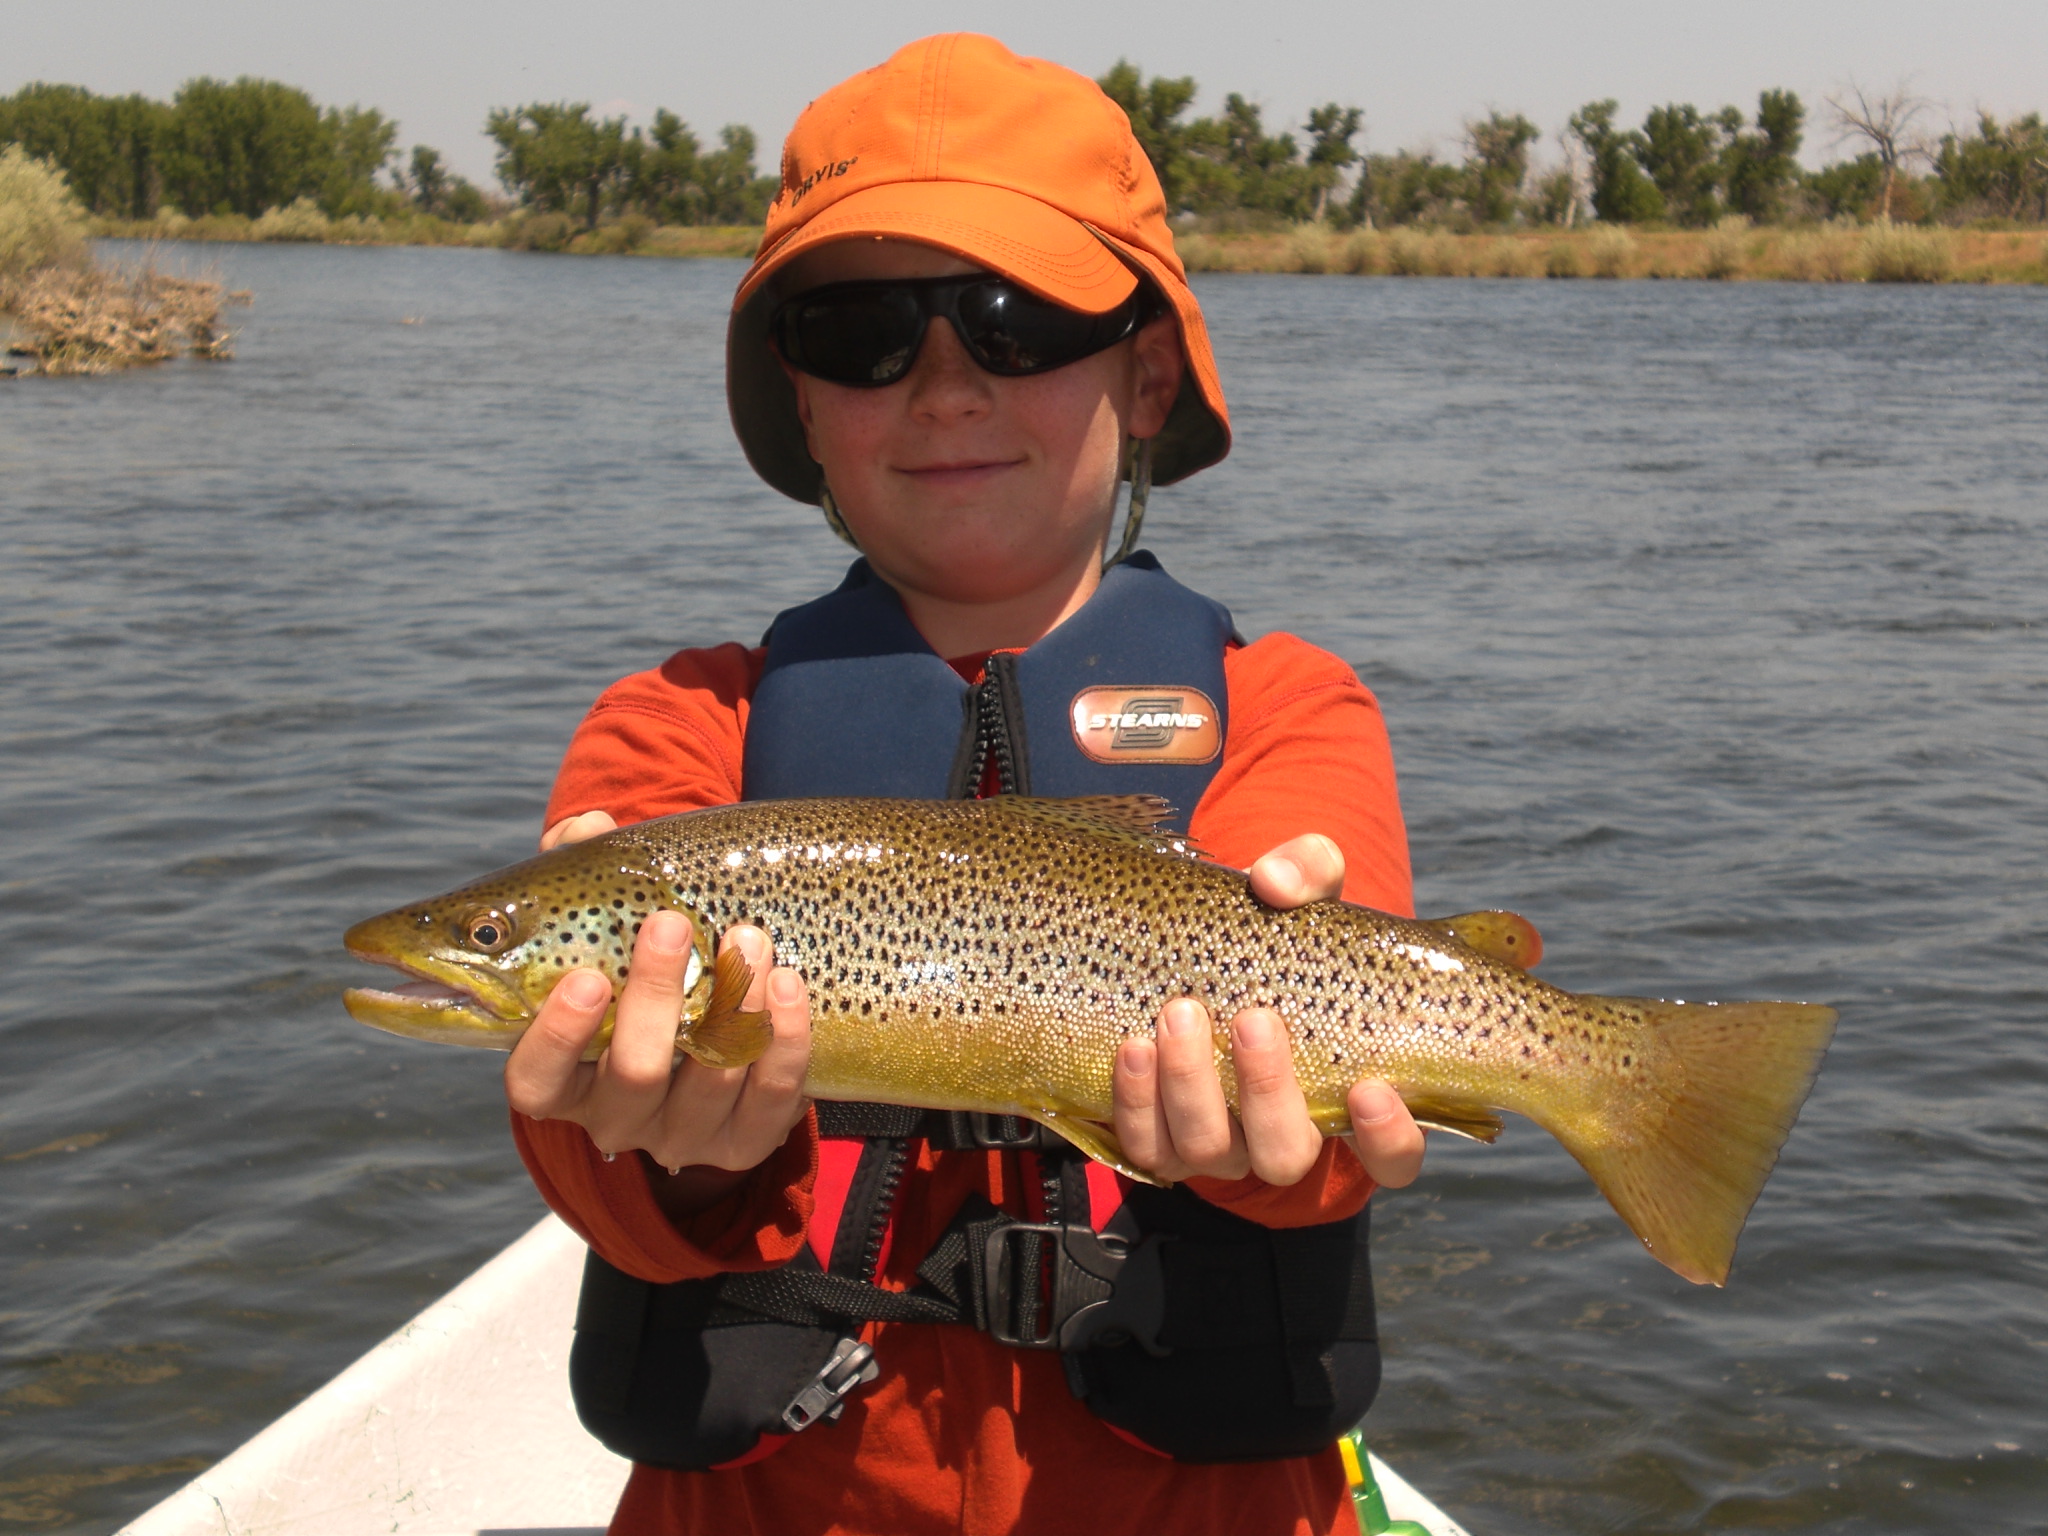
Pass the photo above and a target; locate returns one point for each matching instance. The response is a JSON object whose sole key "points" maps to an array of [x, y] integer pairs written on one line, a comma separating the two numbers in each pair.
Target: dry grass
{"points": [[99, 319], [304, 222], [1733, 251]]}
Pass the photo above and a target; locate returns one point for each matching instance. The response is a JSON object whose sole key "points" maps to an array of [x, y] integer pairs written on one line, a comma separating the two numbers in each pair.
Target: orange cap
{"points": [[1019, 166]]}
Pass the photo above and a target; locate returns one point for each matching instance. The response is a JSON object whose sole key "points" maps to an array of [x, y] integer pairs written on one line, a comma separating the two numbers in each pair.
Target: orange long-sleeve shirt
{"points": [[960, 1433]]}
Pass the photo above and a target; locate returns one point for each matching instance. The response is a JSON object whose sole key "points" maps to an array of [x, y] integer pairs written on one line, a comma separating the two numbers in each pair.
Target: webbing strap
{"points": [[820, 1301], [944, 1130]]}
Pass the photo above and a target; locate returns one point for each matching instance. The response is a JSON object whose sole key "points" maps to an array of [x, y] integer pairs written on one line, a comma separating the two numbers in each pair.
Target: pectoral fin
{"points": [[727, 1033], [1504, 936]]}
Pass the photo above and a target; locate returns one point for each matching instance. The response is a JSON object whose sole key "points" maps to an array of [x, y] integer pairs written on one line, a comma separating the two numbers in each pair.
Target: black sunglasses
{"points": [[868, 334]]}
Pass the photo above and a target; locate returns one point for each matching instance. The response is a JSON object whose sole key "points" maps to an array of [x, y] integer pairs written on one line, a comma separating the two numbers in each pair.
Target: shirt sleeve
{"points": [[1307, 752], [661, 742], [656, 744]]}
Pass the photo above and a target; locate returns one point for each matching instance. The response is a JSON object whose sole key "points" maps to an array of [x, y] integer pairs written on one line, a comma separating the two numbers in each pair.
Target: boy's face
{"points": [[969, 488]]}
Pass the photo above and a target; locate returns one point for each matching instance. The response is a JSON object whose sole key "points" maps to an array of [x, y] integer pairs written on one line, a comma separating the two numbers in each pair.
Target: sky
{"points": [[1417, 70]]}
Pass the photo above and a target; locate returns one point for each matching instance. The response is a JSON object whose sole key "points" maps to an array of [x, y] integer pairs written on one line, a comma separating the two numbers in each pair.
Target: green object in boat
{"points": [[1366, 1497]]}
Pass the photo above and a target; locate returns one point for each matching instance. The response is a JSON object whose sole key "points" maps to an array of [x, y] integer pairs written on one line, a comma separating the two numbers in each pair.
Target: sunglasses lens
{"points": [[866, 335], [1012, 331]]}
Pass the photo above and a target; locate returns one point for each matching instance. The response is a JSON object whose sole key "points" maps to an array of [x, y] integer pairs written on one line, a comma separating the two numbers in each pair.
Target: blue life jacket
{"points": [[1196, 1332]]}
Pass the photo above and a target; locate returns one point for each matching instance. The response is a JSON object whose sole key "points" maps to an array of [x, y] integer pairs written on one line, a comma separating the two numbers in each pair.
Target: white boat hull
{"points": [[460, 1422]]}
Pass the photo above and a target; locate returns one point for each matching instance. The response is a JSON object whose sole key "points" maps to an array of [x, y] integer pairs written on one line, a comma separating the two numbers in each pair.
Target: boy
{"points": [[964, 327]]}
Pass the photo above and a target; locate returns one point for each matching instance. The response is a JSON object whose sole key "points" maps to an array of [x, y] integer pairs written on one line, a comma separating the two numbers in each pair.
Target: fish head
{"points": [[481, 959]]}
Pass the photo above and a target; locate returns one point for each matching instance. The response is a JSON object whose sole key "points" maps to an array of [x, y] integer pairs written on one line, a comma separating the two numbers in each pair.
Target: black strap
{"points": [[943, 1130]]}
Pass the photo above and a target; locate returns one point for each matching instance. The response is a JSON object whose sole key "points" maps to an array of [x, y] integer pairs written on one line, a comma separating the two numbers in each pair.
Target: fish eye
{"points": [[490, 932]]}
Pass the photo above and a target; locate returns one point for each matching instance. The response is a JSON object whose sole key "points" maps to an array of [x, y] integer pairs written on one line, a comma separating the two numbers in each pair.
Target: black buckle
{"points": [[964, 1129], [824, 1395], [1104, 1289], [998, 1133]]}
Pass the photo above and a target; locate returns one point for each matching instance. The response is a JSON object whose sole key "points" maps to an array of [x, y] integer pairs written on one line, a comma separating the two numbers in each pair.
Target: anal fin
{"points": [[1092, 1137], [727, 1033], [1472, 1121]]}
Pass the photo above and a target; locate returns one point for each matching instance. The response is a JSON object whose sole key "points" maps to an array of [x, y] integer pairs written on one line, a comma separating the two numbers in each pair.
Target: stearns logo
{"points": [[1147, 725]]}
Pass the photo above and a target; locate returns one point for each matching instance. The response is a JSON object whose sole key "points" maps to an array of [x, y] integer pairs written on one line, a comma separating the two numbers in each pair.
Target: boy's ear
{"points": [[802, 385], [1160, 363]]}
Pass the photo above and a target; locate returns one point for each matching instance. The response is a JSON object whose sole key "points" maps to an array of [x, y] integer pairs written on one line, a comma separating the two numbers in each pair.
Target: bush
{"points": [[1563, 260], [301, 222], [1408, 253], [1831, 254], [1895, 255], [1727, 248], [1612, 249], [1312, 248], [1363, 254], [41, 223], [539, 232]]}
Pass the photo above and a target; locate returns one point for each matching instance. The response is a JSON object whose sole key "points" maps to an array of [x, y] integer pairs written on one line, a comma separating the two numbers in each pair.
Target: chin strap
{"points": [[1141, 492], [830, 507]]}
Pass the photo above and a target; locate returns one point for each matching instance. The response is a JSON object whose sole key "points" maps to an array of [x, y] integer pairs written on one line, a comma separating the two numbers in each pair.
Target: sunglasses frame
{"points": [[939, 298]]}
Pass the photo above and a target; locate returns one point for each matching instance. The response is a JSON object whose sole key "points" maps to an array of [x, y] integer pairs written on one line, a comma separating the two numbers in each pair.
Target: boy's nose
{"points": [[945, 381]]}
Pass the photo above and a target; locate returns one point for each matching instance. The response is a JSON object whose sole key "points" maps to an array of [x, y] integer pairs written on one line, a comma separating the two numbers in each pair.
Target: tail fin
{"points": [[1732, 1080]]}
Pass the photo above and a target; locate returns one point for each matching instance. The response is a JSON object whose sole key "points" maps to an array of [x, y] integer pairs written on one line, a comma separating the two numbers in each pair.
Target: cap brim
{"points": [[1027, 241]]}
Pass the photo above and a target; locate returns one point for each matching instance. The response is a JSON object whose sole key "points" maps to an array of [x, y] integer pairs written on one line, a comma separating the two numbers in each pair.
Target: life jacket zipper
{"points": [[993, 733]]}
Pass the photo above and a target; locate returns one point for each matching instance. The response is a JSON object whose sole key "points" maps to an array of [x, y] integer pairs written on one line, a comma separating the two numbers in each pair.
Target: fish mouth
{"points": [[434, 1008]]}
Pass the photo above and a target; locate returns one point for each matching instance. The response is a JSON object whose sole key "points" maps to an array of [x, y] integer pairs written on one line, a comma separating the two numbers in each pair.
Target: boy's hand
{"points": [[714, 1125], [1170, 1111]]}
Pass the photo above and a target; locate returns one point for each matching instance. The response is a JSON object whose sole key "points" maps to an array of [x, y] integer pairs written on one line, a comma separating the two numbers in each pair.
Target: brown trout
{"points": [[991, 954]]}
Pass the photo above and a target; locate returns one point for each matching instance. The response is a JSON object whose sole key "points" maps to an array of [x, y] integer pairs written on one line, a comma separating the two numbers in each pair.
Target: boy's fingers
{"points": [[546, 1076], [772, 1100], [1138, 1114], [1389, 1142], [574, 829], [1280, 1139], [636, 1069], [1301, 870], [1202, 1130]]}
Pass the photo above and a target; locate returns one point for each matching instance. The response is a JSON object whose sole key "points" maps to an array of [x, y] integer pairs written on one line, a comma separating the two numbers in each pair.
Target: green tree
{"points": [[1760, 166], [2001, 171], [1621, 193], [555, 158], [1497, 166], [436, 190], [733, 192], [1681, 152], [107, 146], [1847, 189], [1405, 188], [1237, 165], [244, 146], [1155, 107], [1331, 129], [361, 141], [665, 179]]}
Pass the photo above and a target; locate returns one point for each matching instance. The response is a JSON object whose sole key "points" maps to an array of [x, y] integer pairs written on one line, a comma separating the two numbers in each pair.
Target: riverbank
{"points": [[305, 224], [1827, 253], [1824, 253]]}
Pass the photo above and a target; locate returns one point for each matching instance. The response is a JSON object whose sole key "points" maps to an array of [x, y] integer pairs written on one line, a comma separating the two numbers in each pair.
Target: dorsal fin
{"points": [[1136, 817], [1504, 936]]}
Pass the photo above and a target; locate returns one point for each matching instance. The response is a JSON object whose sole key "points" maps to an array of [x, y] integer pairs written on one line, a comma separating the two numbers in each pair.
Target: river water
{"points": [[1709, 622]]}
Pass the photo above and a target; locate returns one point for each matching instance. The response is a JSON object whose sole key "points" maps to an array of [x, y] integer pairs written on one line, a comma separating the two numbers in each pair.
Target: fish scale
{"points": [[991, 955]]}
